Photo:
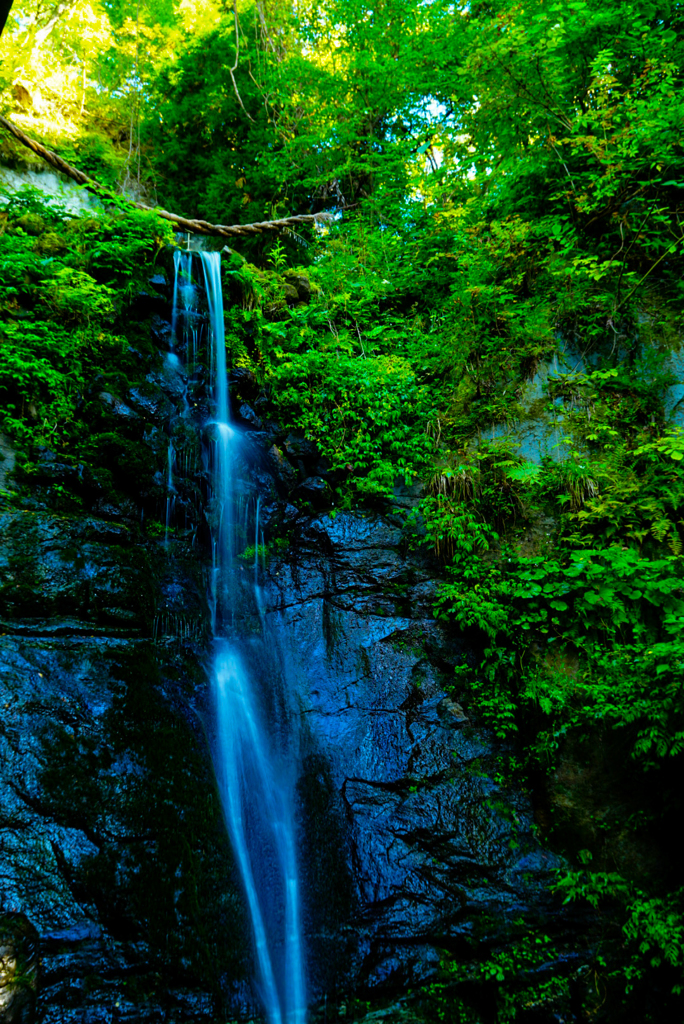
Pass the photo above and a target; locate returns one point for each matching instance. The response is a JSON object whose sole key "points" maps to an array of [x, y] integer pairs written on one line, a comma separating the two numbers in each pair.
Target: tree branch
{"points": [[198, 227], [669, 249], [237, 58], [5, 8]]}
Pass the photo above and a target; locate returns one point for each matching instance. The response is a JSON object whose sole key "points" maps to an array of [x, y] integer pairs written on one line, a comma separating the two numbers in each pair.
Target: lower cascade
{"points": [[255, 775]]}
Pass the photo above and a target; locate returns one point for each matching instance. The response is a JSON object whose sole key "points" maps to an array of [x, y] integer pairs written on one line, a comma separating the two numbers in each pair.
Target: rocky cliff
{"points": [[117, 888]]}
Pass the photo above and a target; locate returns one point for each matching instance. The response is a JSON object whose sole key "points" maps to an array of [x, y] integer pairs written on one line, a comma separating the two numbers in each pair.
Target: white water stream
{"points": [[255, 780]]}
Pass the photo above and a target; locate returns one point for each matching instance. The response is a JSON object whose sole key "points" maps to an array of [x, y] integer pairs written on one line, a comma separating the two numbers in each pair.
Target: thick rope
{"points": [[198, 227]]}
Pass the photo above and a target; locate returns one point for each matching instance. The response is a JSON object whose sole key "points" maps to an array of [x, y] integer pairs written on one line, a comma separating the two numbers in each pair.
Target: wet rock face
{"points": [[315, 490], [77, 573], [412, 843], [111, 836], [115, 864]]}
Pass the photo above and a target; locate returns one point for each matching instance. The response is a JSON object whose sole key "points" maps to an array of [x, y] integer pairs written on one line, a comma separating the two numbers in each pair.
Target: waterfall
{"points": [[258, 537], [255, 775], [170, 490], [184, 294]]}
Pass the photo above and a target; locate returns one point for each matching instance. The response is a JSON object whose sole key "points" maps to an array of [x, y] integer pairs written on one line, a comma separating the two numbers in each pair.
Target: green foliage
{"points": [[363, 412], [74, 297], [531, 974], [610, 605], [123, 248], [452, 528], [63, 314], [95, 154], [582, 642], [655, 931], [652, 928], [199, 132], [504, 984]]}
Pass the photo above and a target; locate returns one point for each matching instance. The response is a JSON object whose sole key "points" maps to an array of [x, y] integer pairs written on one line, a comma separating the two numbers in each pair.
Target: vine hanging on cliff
{"points": [[198, 227]]}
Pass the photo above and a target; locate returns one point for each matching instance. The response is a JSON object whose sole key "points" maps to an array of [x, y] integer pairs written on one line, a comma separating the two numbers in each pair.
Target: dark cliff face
{"points": [[112, 838], [111, 834], [428, 849], [113, 850]]}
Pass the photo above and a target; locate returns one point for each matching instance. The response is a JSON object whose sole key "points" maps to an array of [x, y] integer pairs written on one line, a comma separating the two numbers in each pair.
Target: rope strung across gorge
{"points": [[198, 227]]}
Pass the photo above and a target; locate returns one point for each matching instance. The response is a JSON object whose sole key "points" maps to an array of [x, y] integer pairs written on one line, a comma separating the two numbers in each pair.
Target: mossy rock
{"points": [[51, 244], [300, 284], [265, 288], [18, 969], [31, 223], [84, 225]]}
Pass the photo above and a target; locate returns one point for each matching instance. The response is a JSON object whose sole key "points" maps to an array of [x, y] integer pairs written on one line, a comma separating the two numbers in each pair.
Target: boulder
{"points": [[291, 294], [299, 447], [31, 223], [248, 416], [284, 475], [115, 406], [315, 490], [300, 284], [243, 382]]}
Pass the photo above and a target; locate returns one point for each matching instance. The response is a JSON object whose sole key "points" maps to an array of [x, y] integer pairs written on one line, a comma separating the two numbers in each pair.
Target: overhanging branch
{"points": [[5, 8], [198, 227]]}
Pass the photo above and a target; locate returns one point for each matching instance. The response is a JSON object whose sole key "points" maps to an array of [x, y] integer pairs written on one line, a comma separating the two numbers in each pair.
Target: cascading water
{"points": [[170, 490], [184, 294], [256, 780]]}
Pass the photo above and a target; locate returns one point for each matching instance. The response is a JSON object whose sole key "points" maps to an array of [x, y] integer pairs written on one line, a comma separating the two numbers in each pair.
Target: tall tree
{"points": [[5, 8]]}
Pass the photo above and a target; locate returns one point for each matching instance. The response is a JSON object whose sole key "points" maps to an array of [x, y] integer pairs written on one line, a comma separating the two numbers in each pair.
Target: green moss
{"points": [[31, 223]]}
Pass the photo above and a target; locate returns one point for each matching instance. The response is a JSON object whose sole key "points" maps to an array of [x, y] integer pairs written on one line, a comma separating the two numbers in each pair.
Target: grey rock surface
{"points": [[422, 846]]}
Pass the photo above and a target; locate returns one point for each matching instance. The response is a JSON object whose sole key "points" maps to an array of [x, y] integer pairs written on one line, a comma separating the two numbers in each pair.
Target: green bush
{"points": [[368, 415]]}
